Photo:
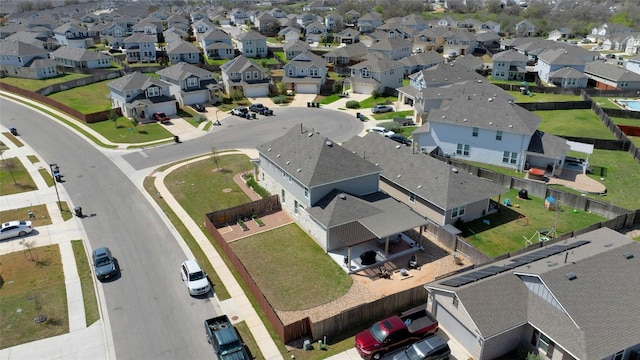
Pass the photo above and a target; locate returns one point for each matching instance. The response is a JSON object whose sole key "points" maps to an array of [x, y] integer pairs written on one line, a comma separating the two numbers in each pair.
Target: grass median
{"points": [[86, 282]]}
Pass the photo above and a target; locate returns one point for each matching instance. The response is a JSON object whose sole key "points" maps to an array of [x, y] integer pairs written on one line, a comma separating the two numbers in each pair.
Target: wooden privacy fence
{"points": [[260, 207]]}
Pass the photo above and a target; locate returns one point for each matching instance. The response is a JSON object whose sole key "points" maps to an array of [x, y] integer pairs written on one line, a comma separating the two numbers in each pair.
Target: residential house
{"points": [[305, 73], [509, 65], [333, 22], [488, 40], [393, 48], [140, 47], [633, 44], [182, 51], [562, 33], [305, 19], [600, 33], [553, 59], [331, 193], [252, 44], [240, 74], [190, 84], [265, 22], [460, 42], [80, 58], [525, 28], [277, 13], [611, 77], [23, 60], [474, 63], [377, 73], [7, 30], [316, 32], [318, 5], [149, 25], [34, 39], [173, 34], [73, 36], [112, 34], [348, 36], [633, 64], [139, 96], [415, 22], [369, 22], [201, 27], [238, 17], [542, 301], [421, 61], [430, 187], [340, 59], [198, 15], [446, 21], [290, 34], [568, 77], [470, 122], [178, 22], [617, 42], [295, 48], [488, 26], [217, 44], [351, 17], [430, 39]]}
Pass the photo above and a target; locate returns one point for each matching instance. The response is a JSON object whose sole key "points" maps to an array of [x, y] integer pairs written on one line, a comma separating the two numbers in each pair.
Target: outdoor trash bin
{"points": [[13, 131], [78, 211]]}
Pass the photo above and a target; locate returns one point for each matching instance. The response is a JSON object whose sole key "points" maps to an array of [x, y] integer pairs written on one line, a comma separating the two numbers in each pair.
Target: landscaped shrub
{"points": [[375, 94], [282, 88], [236, 95], [257, 188], [337, 87], [280, 99], [199, 118], [352, 104]]}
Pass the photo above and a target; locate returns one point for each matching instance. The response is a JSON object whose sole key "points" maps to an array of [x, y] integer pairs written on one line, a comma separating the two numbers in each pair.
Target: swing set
{"points": [[542, 235]]}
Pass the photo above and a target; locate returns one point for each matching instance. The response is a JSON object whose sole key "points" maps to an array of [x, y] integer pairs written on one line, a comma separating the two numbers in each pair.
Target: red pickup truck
{"points": [[395, 332]]}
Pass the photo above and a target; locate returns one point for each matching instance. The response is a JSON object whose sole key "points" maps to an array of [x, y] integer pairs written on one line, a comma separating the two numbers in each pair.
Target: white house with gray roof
{"points": [[305, 73], [574, 299], [376, 73], [509, 65], [22, 60], [139, 96], [182, 51], [190, 84], [252, 44], [553, 59], [393, 47], [244, 75], [81, 58], [73, 36], [141, 47], [331, 193], [611, 77]]}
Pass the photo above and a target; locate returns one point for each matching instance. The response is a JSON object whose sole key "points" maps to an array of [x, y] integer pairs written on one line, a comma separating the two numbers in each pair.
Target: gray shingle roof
{"points": [[550, 146], [428, 178], [351, 50], [389, 44], [19, 48], [610, 72], [567, 73], [318, 162], [250, 35], [181, 47], [135, 81], [76, 54], [182, 71], [238, 64], [509, 55]]}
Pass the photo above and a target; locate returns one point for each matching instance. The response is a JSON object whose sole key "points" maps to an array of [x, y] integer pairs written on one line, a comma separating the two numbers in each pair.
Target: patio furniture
{"points": [[413, 262], [368, 257]]}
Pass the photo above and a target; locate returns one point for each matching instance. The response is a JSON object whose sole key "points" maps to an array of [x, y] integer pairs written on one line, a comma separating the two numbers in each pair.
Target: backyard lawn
{"points": [[33, 286], [506, 229], [541, 97], [33, 85], [86, 99], [580, 123], [285, 262], [123, 131]]}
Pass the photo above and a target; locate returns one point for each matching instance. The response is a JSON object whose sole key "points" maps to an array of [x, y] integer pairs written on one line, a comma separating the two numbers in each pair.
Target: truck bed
{"points": [[420, 319]]}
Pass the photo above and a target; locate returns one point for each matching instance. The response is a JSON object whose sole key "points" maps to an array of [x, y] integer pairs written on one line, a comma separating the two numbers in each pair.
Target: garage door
{"points": [[167, 108], [255, 91], [306, 88], [458, 331], [195, 98], [363, 89]]}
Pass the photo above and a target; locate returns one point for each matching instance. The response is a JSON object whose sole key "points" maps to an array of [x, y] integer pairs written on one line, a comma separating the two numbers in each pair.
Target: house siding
{"points": [[421, 206], [503, 343]]}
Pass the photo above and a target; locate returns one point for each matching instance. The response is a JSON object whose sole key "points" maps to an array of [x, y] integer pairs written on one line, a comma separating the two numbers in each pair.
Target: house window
{"points": [[153, 91], [247, 75], [192, 82], [463, 149], [458, 211], [255, 75], [282, 196], [545, 345], [313, 72], [498, 135], [412, 197], [475, 132], [306, 193], [455, 301], [366, 73], [295, 207], [509, 157], [290, 72]]}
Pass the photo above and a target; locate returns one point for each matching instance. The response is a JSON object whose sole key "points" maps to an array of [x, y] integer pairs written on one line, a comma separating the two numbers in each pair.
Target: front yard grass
{"points": [[392, 115], [86, 283], [506, 229], [324, 100], [33, 285], [14, 177], [580, 123], [87, 99], [33, 84], [284, 262], [382, 100], [123, 131], [42, 217]]}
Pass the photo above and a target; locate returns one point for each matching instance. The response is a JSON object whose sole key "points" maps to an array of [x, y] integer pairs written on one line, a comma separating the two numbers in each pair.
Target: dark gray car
{"points": [[430, 348], [103, 263]]}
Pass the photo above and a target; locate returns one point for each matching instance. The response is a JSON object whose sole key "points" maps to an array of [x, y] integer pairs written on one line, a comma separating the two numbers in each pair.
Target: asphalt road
{"points": [[151, 314], [238, 133]]}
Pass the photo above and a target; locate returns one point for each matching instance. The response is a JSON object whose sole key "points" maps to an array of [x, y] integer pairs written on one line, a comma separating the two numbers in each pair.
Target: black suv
{"points": [[401, 139]]}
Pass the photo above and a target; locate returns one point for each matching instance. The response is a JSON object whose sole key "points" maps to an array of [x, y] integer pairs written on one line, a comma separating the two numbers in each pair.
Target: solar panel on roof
{"points": [[452, 282], [510, 266], [478, 275], [492, 269]]}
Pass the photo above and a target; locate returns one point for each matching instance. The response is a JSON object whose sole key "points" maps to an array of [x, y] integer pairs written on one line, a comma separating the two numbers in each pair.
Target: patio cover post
{"points": [[386, 246]]}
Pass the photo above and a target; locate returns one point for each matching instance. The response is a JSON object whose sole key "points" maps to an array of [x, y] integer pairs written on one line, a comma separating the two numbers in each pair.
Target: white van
{"points": [[382, 131]]}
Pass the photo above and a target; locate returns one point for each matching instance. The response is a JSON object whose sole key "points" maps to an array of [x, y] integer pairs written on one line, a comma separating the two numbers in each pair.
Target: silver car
{"points": [[15, 228]]}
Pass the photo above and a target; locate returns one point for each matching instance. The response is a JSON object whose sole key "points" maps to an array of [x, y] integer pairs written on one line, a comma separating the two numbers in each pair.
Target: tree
{"points": [[113, 116], [11, 166], [214, 156], [28, 245]]}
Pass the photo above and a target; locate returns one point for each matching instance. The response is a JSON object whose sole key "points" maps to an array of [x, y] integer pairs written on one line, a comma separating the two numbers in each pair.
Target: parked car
{"points": [[160, 116], [194, 278], [198, 107], [257, 108], [431, 348], [240, 111], [103, 263], [382, 131], [381, 109], [15, 228], [115, 50], [401, 139]]}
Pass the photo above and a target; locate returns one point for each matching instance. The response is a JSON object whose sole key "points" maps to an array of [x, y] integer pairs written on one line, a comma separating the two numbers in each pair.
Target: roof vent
{"points": [[455, 170], [419, 186], [444, 116], [298, 170], [377, 164], [288, 162], [278, 155], [269, 149], [397, 146], [628, 255], [310, 134], [571, 276], [490, 122], [552, 264], [328, 143], [465, 119], [608, 245], [342, 196], [399, 176], [490, 99], [510, 125]]}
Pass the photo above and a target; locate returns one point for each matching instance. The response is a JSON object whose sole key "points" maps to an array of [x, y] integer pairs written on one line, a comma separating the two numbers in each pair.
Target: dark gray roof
{"points": [[77, 54], [509, 55], [470, 61], [425, 58], [238, 64], [610, 72], [449, 73], [390, 43], [181, 47], [296, 45], [314, 160], [547, 145], [135, 81], [567, 73], [19, 48], [182, 71], [598, 309], [569, 55], [250, 35], [378, 62], [428, 178]]}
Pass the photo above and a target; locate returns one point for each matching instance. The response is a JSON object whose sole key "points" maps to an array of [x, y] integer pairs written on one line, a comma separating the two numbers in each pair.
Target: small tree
{"points": [[236, 94], [214, 156], [375, 94], [282, 88], [28, 245], [113, 116], [10, 164]]}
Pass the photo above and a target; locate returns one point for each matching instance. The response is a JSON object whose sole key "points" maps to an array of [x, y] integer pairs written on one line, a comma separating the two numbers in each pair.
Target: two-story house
{"points": [[611, 77], [305, 73], [264, 22], [149, 25], [632, 47], [315, 31], [376, 73], [331, 193], [421, 61], [140, 47], [551, 60], [525, 28], [333, 22], [238, 16], [182, 51], [290, 34], [460, 42], [509, 65], [394, 48], [348, 36], [240, 74], [217, 44], [202, 26], [173, 35], [602, 32], [252, 44], [22, 60], [294, 48], [340, 59], [139, 96], [190, 84], [73, 36], [369, 22], [80, 58]]}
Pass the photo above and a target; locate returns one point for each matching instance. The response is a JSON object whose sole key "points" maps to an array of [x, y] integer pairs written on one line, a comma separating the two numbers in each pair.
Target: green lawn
{"points": [[506, 229], [394, 114], [264, 61], [42, 217], [541, 97], [625, 121], [581, 123], [605, 102], [86, 99], [86, 282], [281, 56], [14, 177], [497, 169], [123, 131], [33, 85], [284, 262], [329, 99], [371, 101], [33, 286]]}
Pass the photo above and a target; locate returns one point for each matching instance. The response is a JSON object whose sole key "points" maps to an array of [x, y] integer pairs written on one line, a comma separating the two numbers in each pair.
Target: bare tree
{"points": [[28, 245], [11, 165], [214, 155]]}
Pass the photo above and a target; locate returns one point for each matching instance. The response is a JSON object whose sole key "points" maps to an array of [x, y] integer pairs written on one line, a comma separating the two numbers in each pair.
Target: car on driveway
{"points": [[160, 116], [103, 263], [15, 228], [198, 107], [401, 139], [378, 109], [240, 111], [382, 131], [194, 278]]}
